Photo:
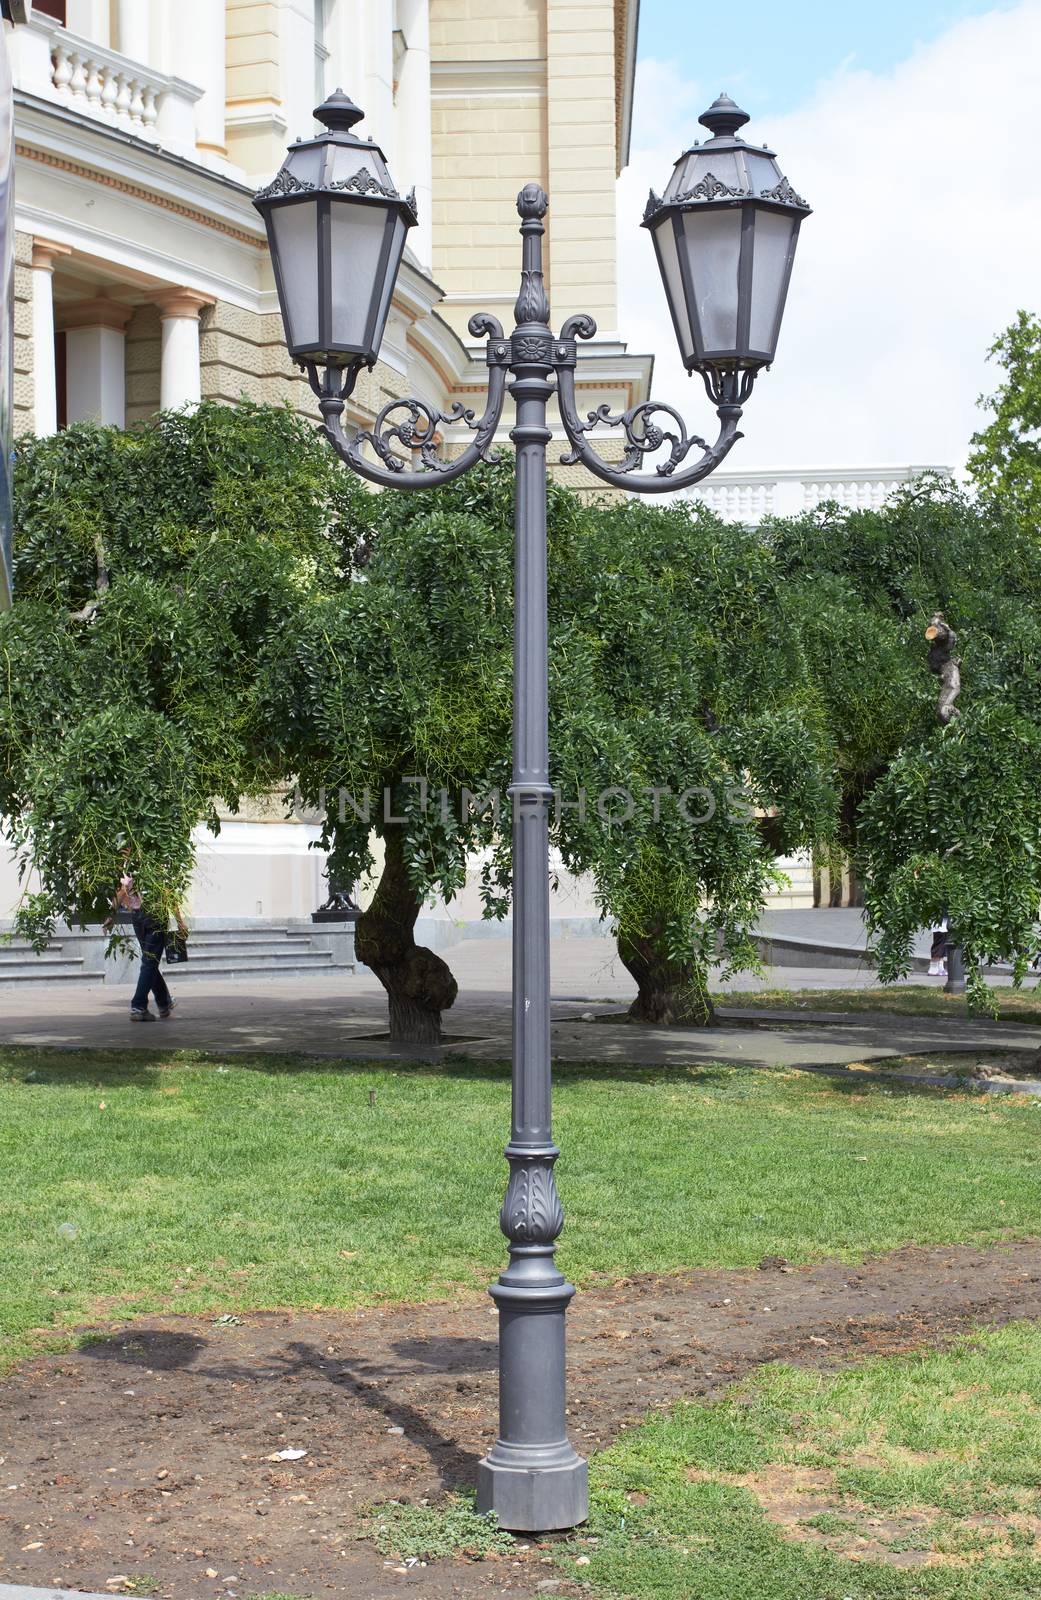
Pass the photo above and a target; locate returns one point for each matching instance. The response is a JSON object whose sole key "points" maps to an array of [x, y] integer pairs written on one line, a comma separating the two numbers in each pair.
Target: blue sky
{"points": [[924, 239], [770, 54]]}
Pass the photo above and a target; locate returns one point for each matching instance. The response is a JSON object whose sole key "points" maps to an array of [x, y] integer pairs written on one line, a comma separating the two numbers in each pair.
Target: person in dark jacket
{"points": [[151, 936]]}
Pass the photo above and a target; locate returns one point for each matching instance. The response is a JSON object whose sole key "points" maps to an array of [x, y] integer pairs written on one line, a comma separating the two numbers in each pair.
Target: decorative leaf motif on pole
{"points": [[531, 1212]]}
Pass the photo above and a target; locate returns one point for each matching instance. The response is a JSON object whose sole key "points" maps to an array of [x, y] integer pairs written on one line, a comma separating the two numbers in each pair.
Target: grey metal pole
{"points": [[955, 969], [531, 1478]]}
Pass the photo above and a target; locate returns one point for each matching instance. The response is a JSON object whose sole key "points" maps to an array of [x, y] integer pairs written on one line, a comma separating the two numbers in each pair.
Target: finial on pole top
{"points": [[339, 113], [723, 118], [532, 202]]}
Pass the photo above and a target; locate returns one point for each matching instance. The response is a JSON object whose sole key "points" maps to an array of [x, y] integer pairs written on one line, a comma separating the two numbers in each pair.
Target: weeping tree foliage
{"points": [[682, 707], [209, 608], [148, 565], [941, 820]]}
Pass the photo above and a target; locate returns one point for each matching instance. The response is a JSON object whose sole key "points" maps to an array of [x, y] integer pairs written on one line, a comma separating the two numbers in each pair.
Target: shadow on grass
{"points": [[42, 1069], [144, 1069]]}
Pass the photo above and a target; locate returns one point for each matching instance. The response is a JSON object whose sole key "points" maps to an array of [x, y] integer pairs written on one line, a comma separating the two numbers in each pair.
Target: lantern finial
{"points": [[339, 113], [723, 118]]}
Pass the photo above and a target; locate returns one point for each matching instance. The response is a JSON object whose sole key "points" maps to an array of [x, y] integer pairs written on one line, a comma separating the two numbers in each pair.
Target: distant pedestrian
{"points": [[938, 951], [151, 936]]}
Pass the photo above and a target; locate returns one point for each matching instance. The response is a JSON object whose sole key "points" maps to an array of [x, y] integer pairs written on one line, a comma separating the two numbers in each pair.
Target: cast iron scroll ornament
{"points": [[947, 666], [413, 425], [728, 389]]}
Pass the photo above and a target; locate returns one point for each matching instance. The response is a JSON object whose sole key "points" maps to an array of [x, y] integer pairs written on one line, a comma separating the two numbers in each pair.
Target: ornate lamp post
{"points": [[725, 233]]}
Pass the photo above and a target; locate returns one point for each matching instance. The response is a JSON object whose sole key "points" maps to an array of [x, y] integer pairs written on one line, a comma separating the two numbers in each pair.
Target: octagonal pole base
{"points": [[532, 1478], [537, 1499]]}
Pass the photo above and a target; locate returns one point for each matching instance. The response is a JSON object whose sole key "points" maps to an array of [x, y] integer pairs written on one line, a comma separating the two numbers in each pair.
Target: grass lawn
{"points": [[898, 1479], [132, 1184], [898, 1000]]}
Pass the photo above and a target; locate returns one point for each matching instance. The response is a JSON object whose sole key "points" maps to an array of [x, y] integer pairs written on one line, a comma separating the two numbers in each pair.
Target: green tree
{"points": [[941, 820], [1005, 460]]}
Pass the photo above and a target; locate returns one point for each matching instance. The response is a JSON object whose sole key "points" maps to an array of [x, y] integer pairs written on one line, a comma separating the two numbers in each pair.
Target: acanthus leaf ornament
{"points": [[284, 183], [531, 1212], [785, 195], [709, 188], [654, 205]]}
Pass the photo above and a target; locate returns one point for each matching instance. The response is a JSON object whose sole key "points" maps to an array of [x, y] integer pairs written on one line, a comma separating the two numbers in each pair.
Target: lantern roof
{"points": [[337, 161], [724, 170]]}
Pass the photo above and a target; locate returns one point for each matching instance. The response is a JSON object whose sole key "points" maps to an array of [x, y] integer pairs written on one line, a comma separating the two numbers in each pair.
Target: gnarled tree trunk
{"points": [[669, 991], [419, 984]]}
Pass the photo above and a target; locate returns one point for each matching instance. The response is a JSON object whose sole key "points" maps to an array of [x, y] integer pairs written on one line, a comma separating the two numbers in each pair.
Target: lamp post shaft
{"points": [[531, 1478]]}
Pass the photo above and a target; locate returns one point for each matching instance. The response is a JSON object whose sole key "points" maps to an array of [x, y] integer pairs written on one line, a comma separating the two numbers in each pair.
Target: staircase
{"points": [[19, 963], [248, 952], [215, 953]]}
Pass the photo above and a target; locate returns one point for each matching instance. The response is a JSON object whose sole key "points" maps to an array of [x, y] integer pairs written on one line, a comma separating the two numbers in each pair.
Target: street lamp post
{"points": [[724, 234]]}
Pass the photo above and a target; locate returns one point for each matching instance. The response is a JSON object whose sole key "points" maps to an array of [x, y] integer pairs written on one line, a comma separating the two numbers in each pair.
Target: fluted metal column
{"points": [[532, 1477]]}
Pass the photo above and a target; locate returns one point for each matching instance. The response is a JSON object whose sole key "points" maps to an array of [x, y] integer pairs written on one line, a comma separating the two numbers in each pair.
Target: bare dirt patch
{"points": [[148, 1452]]}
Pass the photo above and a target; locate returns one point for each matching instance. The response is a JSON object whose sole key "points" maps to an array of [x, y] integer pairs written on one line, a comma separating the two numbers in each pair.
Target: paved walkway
{"points": [[341, 1016]]}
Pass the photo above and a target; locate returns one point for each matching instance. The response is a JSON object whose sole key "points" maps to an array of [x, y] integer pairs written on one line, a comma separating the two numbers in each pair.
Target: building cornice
{"points": [[480, 79], [58, 137], [627, 25]]}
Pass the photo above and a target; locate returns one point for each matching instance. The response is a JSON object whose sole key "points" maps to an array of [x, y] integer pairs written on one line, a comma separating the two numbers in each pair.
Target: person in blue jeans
{"points": [[151, 936]]}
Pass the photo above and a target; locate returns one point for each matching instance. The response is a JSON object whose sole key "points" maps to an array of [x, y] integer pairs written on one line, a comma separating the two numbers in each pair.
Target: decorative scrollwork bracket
{"points": [[644, 437], [407, 435]]}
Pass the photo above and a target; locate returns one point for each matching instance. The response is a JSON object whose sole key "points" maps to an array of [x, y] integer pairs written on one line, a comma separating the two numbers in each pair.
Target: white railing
{"points": [[749, 497], [54, 64]]}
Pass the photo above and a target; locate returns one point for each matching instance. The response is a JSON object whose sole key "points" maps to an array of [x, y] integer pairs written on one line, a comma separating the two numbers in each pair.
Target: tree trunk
{"points": [[419, 984], [670, 992]]}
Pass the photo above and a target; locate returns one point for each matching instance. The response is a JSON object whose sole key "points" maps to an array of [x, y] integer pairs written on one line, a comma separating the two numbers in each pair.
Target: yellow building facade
{"points": [[144, 127]]}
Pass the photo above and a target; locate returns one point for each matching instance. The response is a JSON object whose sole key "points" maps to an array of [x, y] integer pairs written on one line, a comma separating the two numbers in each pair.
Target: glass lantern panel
{"points": [[669, 267], [723, 165], [774, 231], [345, 160], [356, 229], [294, 244], [305, 163], [763, 171], [396, 223], [712, 239]]}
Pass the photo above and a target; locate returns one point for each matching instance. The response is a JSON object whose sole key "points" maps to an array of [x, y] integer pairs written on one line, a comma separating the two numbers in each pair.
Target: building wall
{"points": [[23, 334]]}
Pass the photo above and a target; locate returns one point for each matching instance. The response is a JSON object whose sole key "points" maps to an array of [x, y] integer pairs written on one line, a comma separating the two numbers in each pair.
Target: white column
{"points": [[45, 377], [181, 380], [95, 361], [296, 31], [413, 141], [134, 31], [362, 63], [200, 56]]}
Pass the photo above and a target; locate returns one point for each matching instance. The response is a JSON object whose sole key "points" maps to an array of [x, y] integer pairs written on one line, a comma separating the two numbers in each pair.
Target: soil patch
{"points": [[148, 1451]]}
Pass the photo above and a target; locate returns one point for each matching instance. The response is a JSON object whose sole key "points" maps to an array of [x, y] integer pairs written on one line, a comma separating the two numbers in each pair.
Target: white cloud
{"points": [[925, 240]]}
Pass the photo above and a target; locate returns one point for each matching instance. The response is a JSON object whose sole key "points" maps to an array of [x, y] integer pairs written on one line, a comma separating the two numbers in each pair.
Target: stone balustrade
{"points": [[749, 497], [56, 64]]}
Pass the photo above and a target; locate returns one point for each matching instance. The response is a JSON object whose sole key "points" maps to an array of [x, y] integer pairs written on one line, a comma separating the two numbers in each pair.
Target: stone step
{"points": [[37, 974], [205, 945], [287, 968], [263, 962]]}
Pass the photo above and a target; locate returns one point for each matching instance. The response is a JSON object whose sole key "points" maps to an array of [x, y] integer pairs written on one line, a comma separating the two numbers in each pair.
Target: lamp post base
{"points": [[539, 1499], [532, 1477]]}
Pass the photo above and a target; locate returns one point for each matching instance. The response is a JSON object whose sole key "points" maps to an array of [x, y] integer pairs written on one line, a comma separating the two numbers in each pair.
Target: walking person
{"points": [[151, 936]]}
